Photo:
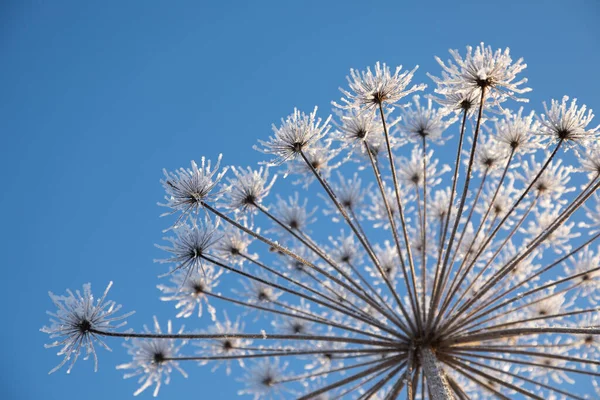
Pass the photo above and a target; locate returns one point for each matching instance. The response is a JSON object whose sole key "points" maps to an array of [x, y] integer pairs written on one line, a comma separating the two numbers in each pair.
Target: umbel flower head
{"points": [[76, 322], [424, 122], [190, 245], [187, 188], [482, 68], [568, 123], [153, 360], [461, 266], [297, 133], [248, 188], [192, 291], [369, 90]]}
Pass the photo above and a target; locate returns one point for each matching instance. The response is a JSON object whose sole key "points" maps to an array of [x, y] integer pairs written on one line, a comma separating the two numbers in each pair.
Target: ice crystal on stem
{"points": [[478, 279]]}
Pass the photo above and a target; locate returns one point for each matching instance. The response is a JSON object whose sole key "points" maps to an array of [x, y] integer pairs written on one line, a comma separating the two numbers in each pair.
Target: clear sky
{"points": [[97, 97]]}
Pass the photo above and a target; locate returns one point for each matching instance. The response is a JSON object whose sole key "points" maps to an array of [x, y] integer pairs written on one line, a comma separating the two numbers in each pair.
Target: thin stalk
{"points": [[352, 378], [460, 239], [255, 336], [409, 373], [397, 388], [349, 312], [517, 332], [314, 319], [448, 214], [277, 354], [461, 206], [458, 391], [488, 263], [334, 265], [469, 323], [532, 364], [394, 230], [494, 196], [401, 212], [361, 383], [424, 245], [478, 381], [330, 371], [285, 251], [516, 203], [531, 277], [531, 381], [530, 248], [277, 286], [369, 393], [461, 326], [369, 251], [415, 381], [500, 382], [508, 350]]}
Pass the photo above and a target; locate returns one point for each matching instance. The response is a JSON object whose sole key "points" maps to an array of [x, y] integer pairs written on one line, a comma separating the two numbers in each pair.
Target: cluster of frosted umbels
{"points": [[387, 272]]}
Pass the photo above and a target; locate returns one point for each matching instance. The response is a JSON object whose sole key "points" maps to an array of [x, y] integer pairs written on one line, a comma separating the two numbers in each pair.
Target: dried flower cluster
{"points": [[472, 276]]}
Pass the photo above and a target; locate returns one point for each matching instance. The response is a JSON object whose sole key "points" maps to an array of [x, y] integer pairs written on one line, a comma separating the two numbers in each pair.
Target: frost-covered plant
{"points": [[466, 266]]}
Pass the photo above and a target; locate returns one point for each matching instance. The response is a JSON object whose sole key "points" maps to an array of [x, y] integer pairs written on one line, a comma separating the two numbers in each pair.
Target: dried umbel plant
{"points": [[475, 280]]}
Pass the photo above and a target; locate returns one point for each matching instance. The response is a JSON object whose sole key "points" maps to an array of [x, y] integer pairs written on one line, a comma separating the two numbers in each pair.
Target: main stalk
{"points": [[437, 382]]}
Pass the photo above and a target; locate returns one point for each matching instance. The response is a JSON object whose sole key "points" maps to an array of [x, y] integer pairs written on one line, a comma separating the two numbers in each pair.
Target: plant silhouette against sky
{"points": [[472, 275]]}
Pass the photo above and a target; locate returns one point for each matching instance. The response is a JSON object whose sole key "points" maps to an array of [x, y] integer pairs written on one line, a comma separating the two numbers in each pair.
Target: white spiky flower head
{"points": [[456, 101], [233, 244], [153, 360], [226, 346], [351, 194], [189, 245], [410, 170], [355, 128], [188, 189], [440, 204], [587, 266], [489, 156], [369, 90], [190, 291], [567, 123], [592, 222], [248, 188], [389, 260], [263, 379], [516, 132], [299, 322], [421, 122], [481, 69], [551, 184], [75, 322], [589, 160], [318, 158], [560, 239], [297, 133], [294, 213], [344, 249]]}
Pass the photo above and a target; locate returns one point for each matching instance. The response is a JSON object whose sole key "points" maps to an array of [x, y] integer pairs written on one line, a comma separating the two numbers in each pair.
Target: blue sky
{"points": [[97, 97]]}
